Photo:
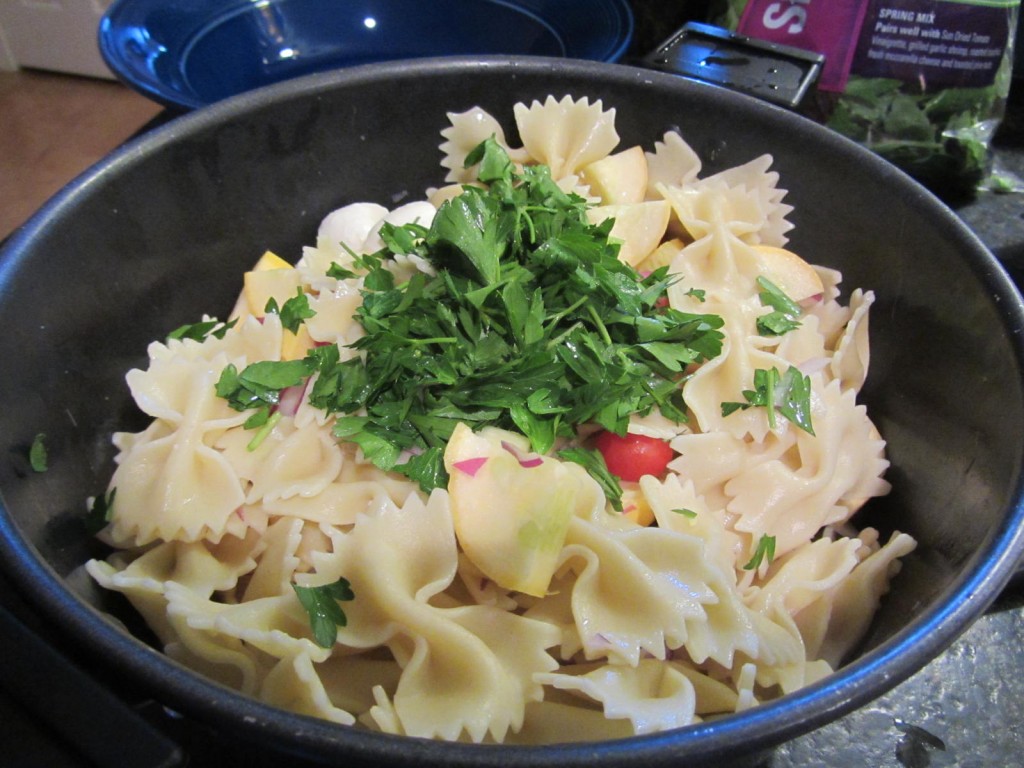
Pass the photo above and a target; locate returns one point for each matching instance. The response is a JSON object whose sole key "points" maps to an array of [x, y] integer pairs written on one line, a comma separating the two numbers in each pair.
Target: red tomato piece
{"points": [[631, 457]]}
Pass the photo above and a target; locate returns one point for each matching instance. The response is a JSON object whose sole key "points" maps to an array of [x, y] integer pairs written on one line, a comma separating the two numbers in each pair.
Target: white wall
{"points": [[58, 35]]}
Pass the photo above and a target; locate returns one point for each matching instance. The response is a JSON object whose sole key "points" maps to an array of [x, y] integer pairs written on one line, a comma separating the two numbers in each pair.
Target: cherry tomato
{"points": [[631, 457]]}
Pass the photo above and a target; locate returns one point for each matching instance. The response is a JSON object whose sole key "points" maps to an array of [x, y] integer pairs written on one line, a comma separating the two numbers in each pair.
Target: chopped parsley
{"points": [[294, 312], [202, 330], [788, 394], [765, 550], [325, 615], [530, 323], [37, 453], [593, 462], [259, 386], [100, 512], [785, 313]]}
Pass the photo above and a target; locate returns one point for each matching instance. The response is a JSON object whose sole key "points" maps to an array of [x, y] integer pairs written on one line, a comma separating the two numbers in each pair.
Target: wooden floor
{"points": [[53, 127]]}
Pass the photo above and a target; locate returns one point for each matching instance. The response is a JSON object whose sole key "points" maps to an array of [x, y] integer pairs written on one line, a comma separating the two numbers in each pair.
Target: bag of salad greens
{"points": [[922, 83]]}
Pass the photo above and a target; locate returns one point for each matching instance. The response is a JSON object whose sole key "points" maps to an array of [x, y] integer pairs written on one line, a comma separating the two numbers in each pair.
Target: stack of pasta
{"points": [[732, 577]]}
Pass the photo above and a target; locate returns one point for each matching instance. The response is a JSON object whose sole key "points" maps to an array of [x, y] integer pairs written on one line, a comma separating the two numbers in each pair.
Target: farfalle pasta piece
{"points": [[678, 507], [653, 696], [726, 377], [645, 591], [466, 131], [709, 205], [797, 580], [760, 183], [276, 626], [334, 321], [303, 463], [566, 134], [478, 659], [723, 267], [673, 163], [852, 356], [831, 474], [337, 504], [293, 684], [854, 601], [178, 486], [711, 459], [170, 585], [249, 340], [278, 560]]}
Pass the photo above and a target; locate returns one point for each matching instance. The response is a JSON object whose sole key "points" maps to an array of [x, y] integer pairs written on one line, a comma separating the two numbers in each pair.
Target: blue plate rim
{"points": [[614, 39]]}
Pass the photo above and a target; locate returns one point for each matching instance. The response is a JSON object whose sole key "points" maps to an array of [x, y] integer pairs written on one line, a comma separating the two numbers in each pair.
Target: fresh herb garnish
{"points": [[687, 513], [788, 394], [593, 462], [100, 513], [531, 323], [259, 386], [37, 454], [765, 550], [786, 312], [339, 272], [325, 615], [202, 330], [294, 312]]}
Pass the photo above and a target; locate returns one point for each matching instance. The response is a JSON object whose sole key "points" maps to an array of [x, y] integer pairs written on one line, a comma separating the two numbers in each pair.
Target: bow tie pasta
{"points": [[568, 449]]}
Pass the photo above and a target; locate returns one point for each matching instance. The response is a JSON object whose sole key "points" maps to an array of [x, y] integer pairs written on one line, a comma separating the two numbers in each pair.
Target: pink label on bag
{"points": [[828, 27]]}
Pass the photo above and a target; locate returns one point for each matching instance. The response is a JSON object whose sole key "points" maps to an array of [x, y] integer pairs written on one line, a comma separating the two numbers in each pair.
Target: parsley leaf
{"points": [[788, 394], [325, 615], [593, 462], [37, 454], [100, 512], [295, 311], [202, 330], [259, 386], [530, 323], [765, 549], [786, 312]]}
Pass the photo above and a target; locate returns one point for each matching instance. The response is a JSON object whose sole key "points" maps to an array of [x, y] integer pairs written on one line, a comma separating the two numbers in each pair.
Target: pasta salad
{"points": [[568, 449]]}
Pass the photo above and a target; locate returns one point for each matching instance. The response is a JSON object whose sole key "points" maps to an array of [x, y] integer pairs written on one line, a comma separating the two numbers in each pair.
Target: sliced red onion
{"points": [[810, 301], [470, 466], [527, 462], [291, 398]]}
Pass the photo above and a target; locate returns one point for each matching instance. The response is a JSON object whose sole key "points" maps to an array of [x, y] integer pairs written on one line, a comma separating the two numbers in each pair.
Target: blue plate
{"points": [[189, 53]]}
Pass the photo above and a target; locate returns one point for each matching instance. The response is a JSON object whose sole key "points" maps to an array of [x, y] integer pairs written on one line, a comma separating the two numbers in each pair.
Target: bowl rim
{"points": [[176, 93], [980, 580]]}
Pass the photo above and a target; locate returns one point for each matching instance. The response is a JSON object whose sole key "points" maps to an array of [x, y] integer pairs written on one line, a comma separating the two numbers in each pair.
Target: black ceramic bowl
{"points": [[161, 231]]}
